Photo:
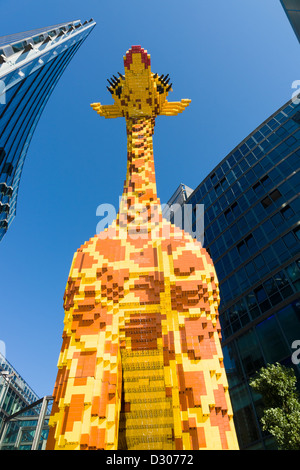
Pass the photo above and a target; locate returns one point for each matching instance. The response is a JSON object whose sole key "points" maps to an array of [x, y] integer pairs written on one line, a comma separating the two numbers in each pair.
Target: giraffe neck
{"points": [[140, 206]]}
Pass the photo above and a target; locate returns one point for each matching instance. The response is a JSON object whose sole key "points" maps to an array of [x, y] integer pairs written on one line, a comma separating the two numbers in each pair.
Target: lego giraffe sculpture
{"points": [[141, 365]]}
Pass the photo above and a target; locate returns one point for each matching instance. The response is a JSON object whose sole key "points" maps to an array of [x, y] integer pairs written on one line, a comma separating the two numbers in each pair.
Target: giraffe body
{"points": [[141, 365]]}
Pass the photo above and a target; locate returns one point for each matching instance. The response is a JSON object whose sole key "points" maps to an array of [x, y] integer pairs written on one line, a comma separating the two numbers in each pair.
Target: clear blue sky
{"points": [[236, 60]]}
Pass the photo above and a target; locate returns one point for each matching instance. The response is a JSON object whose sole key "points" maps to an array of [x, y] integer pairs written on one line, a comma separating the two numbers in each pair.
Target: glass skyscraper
{"points": [[252, 233], [292, 10], [15, 393], [23, 415], [31, 64]]}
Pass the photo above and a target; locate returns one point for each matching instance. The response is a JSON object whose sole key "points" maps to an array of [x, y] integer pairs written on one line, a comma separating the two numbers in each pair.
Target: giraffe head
{"points": [[139, 92]]}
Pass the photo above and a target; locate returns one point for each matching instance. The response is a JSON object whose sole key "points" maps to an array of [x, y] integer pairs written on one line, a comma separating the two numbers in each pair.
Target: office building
{"points": [[252, 233], [23, 415], [292, 10], [31, 63]]}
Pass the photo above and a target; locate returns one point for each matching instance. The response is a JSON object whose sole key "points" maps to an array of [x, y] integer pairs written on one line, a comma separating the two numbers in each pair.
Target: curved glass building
{"points": [[252, 232], [31, 64], [24, 416], [292, 10]]}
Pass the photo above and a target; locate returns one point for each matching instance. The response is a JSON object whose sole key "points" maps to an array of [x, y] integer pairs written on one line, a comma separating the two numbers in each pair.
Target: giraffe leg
{"points": [[87, 399], [194, 360]]}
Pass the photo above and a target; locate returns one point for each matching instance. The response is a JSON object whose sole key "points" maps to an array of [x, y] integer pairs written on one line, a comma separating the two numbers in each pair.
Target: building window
{"points": [[19, 46], [257, 188], [235, 209], [293, 272], [37, 39], [232, 364], [229, 216], [297, 232], [291, 242], [259, 236], [259, 262], [213, 179], [289, 319], [277, 220], [250, 354], [8, 168], [296, 117], [2, 154], [218, 189], [271, 340], [260, 294], [242, 249], [265, 180], [281, 280], [291, 140], [276, 194], [287, 212], [268, 200]]}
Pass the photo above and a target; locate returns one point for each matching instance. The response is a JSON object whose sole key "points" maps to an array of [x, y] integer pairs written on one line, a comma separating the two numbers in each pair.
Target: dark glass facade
{"points": [[23, 415], [252, 232], [15, 393], [31, 64], [292, 10]]}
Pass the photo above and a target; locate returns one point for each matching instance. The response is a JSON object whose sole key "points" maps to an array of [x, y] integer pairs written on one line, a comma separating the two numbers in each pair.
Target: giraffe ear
{"points": [[174, 107], [108, 111]]}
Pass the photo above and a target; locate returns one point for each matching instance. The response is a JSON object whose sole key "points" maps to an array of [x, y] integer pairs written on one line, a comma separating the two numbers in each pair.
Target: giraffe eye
{"points": [[119, 91], [160, 89]]}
